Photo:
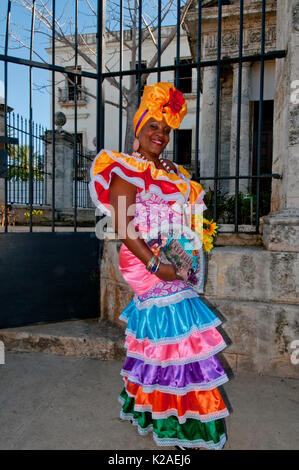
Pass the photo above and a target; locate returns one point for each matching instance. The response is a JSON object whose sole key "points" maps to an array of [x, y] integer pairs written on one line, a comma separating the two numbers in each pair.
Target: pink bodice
{"points": [[150, 211]]}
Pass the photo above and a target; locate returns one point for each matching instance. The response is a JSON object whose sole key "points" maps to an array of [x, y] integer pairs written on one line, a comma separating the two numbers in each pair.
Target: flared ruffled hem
{"points": [[196, 347], [168, 324], [179, 361], [194, 387], [170, 432], [166, 390], [203, 405], [202, 375]]}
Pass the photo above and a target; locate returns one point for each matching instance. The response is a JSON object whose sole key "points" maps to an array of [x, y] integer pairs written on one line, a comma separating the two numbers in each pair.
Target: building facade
{"points": [[250, 91], [87, 90], [187, 83]]}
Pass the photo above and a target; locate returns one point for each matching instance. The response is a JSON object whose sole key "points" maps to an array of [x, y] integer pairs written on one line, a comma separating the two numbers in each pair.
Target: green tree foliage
{"points": [[18, 164]]}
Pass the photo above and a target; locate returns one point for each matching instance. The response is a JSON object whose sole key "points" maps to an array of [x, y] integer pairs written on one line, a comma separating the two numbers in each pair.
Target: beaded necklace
{"points": [[161, 160]]}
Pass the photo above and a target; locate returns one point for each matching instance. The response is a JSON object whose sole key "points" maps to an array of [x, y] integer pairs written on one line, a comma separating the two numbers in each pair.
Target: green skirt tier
{"points": [[169, 432]]}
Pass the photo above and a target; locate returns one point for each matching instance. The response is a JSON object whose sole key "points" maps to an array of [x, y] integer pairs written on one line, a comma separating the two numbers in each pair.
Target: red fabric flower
{"points": [[176, 100]]}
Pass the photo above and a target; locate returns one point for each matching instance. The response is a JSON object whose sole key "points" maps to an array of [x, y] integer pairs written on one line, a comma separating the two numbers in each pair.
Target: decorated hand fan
{"points": [[180, 246]]}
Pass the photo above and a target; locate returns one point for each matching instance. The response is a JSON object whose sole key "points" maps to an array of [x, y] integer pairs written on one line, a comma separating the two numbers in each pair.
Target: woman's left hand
{"points": [[167, 272]]}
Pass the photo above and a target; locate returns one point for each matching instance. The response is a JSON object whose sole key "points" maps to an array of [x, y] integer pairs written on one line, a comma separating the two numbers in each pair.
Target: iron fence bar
{"points": [[17, 160], [5, 112], [198, 69], [177, 63], [239, 112], [99, 77], [277, 54], [178, 43], [120, 121], [44, 65], [30, 120], [38, 172], [16, 127], [159, 39], [219, 31], [249, 232], [53, 116], [260, 122], [76, 117], [139, 49], [100, 105], [23, 137], [266, 175], [262, 57]]}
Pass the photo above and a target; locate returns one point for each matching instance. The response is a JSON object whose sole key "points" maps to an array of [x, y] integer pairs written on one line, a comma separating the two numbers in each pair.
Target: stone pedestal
{"points": [[281, 227], [281, 231], [244, 127], [64, 154]]}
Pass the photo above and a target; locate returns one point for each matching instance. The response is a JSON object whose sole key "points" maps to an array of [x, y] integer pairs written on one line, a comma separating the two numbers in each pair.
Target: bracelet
{"points": [[151, 263], [156, 267]]}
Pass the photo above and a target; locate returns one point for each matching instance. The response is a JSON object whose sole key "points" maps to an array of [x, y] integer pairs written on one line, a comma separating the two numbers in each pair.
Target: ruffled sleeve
{"points": [[196, 193], [142, 174]]}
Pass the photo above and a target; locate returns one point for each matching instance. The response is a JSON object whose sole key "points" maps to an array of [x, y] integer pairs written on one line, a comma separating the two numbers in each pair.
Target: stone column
{"points": [[244, 128], [64, 151], [281, 226], [207, 126]]}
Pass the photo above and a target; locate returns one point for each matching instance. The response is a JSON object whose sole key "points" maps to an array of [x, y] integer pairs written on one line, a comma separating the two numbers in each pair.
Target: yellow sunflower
{"points": [[209, 227], [207, 243]]}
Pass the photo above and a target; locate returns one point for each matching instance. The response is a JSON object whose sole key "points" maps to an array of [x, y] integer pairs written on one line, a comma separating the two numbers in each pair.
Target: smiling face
{"points": [[153, 138]]}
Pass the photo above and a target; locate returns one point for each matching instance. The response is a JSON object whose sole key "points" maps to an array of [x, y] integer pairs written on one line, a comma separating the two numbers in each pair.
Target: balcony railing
{"points": [[67, 95]]}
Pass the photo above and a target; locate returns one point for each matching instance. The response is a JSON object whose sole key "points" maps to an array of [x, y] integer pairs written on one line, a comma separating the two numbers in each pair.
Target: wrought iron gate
{"points": [[55, 273]]}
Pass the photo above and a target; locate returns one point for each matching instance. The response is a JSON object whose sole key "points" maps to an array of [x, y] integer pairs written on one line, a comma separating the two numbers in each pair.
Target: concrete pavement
{"points": [[61, 402]]}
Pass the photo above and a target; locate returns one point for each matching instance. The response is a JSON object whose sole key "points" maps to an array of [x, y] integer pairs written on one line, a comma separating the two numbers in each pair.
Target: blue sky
{"points": [[18, 75]]}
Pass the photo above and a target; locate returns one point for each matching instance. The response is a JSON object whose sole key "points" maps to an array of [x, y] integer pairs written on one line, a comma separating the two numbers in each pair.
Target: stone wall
{"points": [[254, 291]]}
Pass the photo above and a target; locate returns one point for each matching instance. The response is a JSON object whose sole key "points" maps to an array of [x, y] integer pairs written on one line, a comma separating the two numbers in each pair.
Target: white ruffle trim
{"points": [[139, 182], [194, 387], [190, 444], [176, 362], [182, 419], [165, 300], [173, 339]]}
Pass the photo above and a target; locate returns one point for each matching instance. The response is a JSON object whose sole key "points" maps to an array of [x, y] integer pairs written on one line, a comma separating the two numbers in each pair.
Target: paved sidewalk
{"points": [[61, 402]]}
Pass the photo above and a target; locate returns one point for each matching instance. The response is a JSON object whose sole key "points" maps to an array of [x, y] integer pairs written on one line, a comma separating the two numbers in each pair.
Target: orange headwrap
{"points": [[160, 101]]}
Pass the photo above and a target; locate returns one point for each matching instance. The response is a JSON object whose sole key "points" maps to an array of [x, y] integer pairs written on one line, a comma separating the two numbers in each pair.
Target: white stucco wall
{"points": [[86, 123]]}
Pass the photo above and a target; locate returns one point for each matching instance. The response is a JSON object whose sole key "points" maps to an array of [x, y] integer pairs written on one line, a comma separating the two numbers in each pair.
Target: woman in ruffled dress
{"points": [[171, 372]]}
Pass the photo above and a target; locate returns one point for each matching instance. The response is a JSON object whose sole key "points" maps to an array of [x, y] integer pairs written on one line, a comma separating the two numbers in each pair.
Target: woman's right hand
{"points": [[167, 272]]}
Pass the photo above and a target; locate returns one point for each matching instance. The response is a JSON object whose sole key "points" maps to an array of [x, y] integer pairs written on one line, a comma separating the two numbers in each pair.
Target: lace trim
{"points": [[176, 362], [176, 390], [182, 419], [165, 300], [184, 443], [171, 441], [95, 199], [173, 339]]}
